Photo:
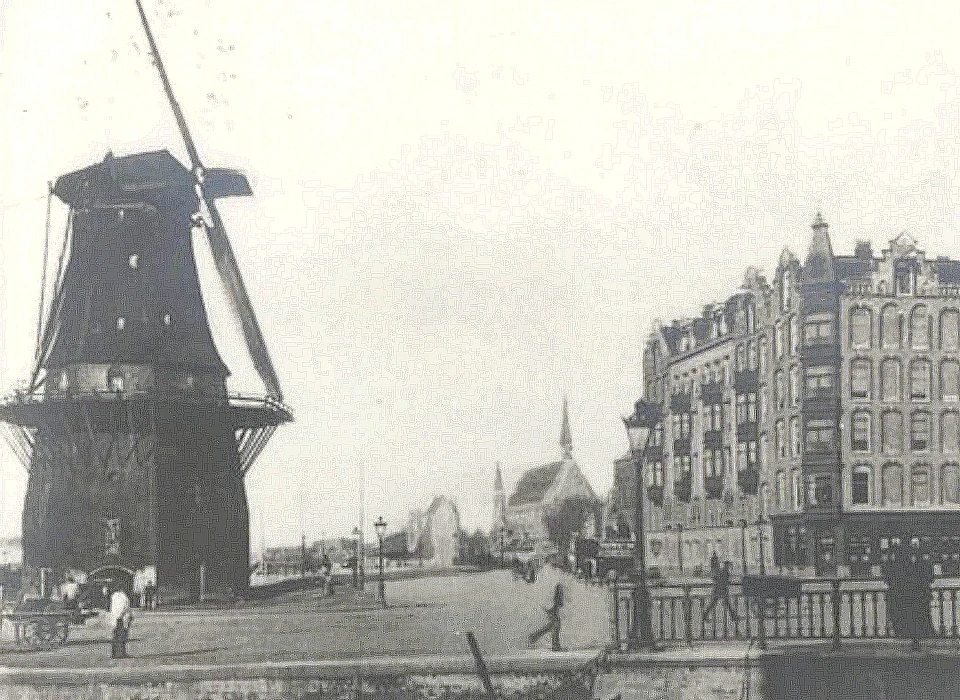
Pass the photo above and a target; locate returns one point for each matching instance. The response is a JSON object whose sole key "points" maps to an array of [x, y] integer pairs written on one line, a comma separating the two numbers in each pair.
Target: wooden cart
{"points": [[42, 624]]}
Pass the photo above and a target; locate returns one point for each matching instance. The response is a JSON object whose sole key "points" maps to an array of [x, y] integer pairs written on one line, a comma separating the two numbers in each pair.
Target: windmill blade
{"points": [[222, 183]]}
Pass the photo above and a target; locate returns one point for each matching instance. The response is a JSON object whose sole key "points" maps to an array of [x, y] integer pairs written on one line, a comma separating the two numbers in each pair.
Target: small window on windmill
{"points": [[134, 261], [166, 320], [121, 322]]}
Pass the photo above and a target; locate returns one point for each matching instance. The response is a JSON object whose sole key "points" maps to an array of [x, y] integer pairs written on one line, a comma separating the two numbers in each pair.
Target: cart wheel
{"points": [[63, 630], [31, 634]]}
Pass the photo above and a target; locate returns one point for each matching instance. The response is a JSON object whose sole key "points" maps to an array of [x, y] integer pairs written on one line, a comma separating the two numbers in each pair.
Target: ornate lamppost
{"points": [[639, 428], [381, 527]]}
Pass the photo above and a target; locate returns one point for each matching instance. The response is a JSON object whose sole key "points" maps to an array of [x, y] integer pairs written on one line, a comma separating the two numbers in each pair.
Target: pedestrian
{"points": [[721, 588], [149, 595], [553, 621], [121, 618], [70, 590], [918, 580]]}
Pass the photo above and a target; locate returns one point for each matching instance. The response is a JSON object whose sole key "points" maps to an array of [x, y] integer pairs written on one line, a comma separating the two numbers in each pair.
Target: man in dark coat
{"points": [[553, 621]]}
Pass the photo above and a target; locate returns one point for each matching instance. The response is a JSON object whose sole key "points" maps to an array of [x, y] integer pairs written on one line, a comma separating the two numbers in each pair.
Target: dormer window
{"points": [[904, 278]]}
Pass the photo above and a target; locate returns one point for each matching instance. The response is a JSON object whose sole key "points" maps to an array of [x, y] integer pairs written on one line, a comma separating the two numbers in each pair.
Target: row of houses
{"points": [[806, 423]]}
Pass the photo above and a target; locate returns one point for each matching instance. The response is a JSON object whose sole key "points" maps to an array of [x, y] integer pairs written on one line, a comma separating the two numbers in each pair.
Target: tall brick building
{"points": [[823, 405]]}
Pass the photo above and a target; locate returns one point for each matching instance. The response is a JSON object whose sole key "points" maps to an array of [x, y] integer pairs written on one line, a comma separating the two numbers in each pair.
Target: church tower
{"points": [[566, 439], [499, 519]]}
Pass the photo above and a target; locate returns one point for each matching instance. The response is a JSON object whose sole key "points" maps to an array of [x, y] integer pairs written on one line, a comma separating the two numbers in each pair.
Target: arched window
{"points": [[920, 431], [781, 491], [860, 486], [890, 380], [861, 435], [780, 390], [794, 331], [950, 432], [950, 329], [950, 380], [890, 327], [920, 486], [740, 359], [861, 378], [950, 483], [762, 357], [892, 485], [795, 385], [796, 442], [861, 327], [892, 432], [780, 435], [919, 327], [796, 489], [920, 380]]}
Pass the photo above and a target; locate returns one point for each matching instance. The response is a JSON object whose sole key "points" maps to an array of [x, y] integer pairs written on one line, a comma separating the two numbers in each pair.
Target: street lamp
{"points": [[639, 427], [381, 527]]}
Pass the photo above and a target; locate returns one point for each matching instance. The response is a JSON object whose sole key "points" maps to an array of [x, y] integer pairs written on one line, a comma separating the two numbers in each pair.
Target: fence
{"points": [[826, 610]]}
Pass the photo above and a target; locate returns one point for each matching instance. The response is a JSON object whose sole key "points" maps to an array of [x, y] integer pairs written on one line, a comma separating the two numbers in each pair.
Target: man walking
{"points": [[553, 621], [721, 588], [121, 617]]}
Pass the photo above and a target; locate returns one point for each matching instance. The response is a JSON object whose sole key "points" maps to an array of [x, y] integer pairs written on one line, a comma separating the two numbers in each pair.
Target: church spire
{"points": [[498, 480], [566, 440]]}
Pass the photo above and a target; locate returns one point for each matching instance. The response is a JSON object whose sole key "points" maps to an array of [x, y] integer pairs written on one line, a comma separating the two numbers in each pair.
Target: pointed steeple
{"points": [[819, 266], [498, 480], [566, 439]]}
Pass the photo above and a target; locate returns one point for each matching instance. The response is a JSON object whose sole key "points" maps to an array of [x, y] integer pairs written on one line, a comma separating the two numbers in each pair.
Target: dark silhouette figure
{"points": [[908, 574], [721, 588], [553, 621]]}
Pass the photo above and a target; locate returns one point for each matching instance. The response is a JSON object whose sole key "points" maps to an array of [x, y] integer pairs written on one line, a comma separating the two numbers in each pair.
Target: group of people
{"points": [[119, 609]]}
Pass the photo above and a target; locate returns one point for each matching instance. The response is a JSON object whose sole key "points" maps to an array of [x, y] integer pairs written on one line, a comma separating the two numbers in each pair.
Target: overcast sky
{"points": [[464, 211]]}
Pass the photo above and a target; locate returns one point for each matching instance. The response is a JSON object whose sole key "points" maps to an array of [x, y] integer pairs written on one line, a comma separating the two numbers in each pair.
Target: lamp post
{"points": [[639, 427], [381, 527]]}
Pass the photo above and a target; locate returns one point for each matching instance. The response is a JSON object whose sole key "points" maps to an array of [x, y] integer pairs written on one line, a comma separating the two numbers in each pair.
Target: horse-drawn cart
{"points": [[42, 624]]}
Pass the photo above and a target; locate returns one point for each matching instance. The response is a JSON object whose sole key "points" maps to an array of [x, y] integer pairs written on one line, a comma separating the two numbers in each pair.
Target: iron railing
{"points": [[829, 610]]}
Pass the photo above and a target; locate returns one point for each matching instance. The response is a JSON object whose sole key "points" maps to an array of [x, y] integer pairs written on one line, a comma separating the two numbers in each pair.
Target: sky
{"points": [[463, 212]]}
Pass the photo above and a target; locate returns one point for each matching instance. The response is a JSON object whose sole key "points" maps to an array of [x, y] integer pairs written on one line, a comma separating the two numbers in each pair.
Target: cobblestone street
{"points": [[425, 616]]}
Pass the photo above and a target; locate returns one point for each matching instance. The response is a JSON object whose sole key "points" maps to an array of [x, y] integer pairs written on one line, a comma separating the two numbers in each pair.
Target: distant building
{"points": [[433, 536], [540, 492]]}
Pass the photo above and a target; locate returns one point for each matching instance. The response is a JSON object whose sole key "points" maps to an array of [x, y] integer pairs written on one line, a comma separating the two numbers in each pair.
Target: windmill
{"points": [[136, 451]]}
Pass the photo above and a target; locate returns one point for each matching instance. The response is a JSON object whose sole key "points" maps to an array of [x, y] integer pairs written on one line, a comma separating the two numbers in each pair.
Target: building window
{"points": [[781, 491], [860, 486], [794, 335], [892, 485], [891, 327], [795, 441], [796, 489], [819, 381], [740, 359], [121, 322], [752, 461], [762, 356], [860, 378], [781, 331], [892, 432], [741, 408], [752, 360], [920, 487], [950, 330], [821, 490], [920, 431], [861, 328], [919, 327], [818, 332], [780, 439], [950, 432], [920, 380], [819, 436], [795, 385], [741, 456], [752, 407], [134, 261], [685, 425], [950, 483], [780, 390], [685, 466], [890, 380], [950, 380], [861, 433]]}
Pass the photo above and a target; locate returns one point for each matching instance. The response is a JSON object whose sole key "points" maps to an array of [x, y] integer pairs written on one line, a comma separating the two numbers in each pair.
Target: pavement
{"points": [[425, 617]]}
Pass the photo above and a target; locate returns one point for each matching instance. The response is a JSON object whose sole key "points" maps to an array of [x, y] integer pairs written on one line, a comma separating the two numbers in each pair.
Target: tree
{"points": [[568, 518]]}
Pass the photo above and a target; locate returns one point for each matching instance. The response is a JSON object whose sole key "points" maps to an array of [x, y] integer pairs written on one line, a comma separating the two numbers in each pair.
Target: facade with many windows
{"points": [[824, 405]]}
